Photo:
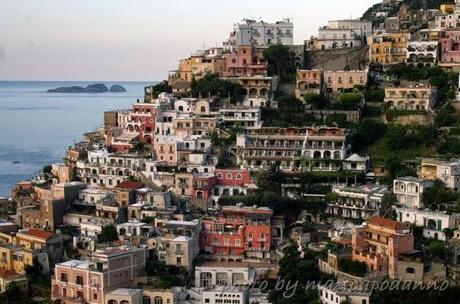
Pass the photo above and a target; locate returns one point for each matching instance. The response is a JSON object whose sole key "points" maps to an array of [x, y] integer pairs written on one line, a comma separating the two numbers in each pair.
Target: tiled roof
{"points": [[39, 233], [387, 223], [131, 185]]}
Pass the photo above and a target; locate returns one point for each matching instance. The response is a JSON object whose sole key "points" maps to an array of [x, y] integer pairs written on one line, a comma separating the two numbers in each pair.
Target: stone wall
{"points": [[338, 59]]}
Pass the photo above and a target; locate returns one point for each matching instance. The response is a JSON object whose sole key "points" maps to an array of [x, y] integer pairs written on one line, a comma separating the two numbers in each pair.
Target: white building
{"points": [[241, 117], [356, 202], [409, 191], [219, 295], [343, 34], [260, 33], [90, 196], [433, 222], [337, 294], [356, 163], [422, 52]]}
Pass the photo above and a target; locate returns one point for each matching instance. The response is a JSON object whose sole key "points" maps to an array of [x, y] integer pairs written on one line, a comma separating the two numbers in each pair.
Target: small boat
{"points": [[15, 161]]}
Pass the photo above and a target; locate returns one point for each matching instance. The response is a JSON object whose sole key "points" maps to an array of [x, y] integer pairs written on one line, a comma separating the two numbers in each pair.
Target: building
{"points": [[213, 273], [232, 182], [308, 148], [260, 33], [308, 81], [379, 244], [411, 96], [356, 202], [388, 48], [244, 60], [409, 191], [356, 163], [450, 46], [341, 294], [92, 280], [446, 171], [240, 117], [433, 222], [343, 34], [8, 277], [237, 231], [257, 86], [223, 294], [125, 296], [422, 53], [344, 81]]}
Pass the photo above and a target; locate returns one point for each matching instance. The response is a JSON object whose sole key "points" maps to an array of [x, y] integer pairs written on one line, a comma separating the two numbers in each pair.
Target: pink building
{"points": [[244, 62], [450, 46], [380, 243], [78, 281]]}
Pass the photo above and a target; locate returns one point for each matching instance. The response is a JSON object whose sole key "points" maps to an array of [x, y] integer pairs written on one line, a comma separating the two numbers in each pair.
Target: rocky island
{"points": [[92, 88]]}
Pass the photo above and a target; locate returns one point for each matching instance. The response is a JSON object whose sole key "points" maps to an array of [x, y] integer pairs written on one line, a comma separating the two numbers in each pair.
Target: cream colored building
{"points": [[411, 97], [341, 81]]}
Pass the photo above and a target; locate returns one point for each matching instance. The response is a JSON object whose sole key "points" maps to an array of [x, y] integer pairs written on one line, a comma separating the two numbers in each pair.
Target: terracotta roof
{"points": [[39, 233], [130, 185], [387, 223]]}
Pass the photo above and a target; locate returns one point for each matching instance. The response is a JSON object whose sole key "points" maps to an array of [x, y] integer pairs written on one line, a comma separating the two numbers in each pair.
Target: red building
{"points": [[202, 185], [244, 62], [238, 231], [142, 120], [450, 47]]}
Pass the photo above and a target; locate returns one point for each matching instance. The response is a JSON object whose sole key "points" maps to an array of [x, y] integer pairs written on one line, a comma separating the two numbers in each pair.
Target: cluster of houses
{"points": [[153, 166]]}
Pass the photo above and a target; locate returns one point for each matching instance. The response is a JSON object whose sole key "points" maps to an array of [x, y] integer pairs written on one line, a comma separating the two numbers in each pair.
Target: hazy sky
{"points": [[136, 39]]}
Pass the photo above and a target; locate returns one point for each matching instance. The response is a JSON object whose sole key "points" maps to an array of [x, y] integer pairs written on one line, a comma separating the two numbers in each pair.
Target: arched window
{"points": [[180, 109], [220, 176], [112, 302], [229, 176], [146, 300], [239, 176], [158, 300], [222, 279], [203, 109]]}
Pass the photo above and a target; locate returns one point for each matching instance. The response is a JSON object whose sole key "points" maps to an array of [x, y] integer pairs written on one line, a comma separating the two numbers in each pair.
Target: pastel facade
{"points": [[420, 97], [308, 81], [409, 191], [446, 171], [244, 61], [341, 81], [92, 280], [450, 46], [379, 243], [335, 294], [422, 53], [388, 48]]}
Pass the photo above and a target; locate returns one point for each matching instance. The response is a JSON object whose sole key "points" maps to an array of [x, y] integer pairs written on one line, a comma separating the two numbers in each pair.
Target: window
{"points": [[64, 277], [229, 176], [158, 300], [239, 176], [79, 280]]}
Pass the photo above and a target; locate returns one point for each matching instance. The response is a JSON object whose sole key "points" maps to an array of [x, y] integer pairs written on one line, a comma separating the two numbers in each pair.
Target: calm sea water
{"points": [[36, 127]]}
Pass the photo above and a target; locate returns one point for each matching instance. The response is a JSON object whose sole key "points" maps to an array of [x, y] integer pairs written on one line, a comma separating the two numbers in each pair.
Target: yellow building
{"points": [[447, 9], [15, 258], [388, 48]]}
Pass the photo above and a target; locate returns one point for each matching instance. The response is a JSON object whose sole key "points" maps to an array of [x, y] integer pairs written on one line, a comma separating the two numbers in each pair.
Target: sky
{"points": [[136, 39]]}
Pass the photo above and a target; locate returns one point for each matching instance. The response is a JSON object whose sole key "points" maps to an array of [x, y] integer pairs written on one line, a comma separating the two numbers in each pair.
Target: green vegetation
{"points": [[349, 101], [163, 276], [438, 198], [212, 85], [300, 271], [352, 267], [367, 132], [374, 94], [386, 210], [414, 293], [162, 87], [316, 101], [109, 234], [280, 62]]}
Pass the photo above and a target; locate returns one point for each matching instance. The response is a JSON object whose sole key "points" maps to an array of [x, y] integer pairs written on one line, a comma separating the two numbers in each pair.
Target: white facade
{"points": [[344, 34], [356, 163], [91, 196], [260, 33], [446, 171], [357, 202], [433, 222], [409, 191], [219, 295], [422, 52], [223, 274], [241, 117], [335, 294]]}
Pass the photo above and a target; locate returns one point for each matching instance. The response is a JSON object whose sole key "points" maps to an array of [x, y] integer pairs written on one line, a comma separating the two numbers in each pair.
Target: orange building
{"points": [[244, 61], [238, 231], [379, 243]]}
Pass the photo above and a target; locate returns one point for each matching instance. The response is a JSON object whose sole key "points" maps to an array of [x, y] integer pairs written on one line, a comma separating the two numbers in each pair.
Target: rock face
{"points": [[92, 88], [116, 88]]}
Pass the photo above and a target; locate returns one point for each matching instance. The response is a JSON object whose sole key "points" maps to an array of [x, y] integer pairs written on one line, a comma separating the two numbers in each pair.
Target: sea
{"points": [[36, 127]]}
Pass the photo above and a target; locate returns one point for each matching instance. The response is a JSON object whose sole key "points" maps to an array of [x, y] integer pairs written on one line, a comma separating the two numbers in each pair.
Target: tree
{"points": [[279, 61], [161, 88], [315, 100], [349, 101], [212, 85], [437, 249], [352, 267], [367, 132], [386, 210], [109, 234]]}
